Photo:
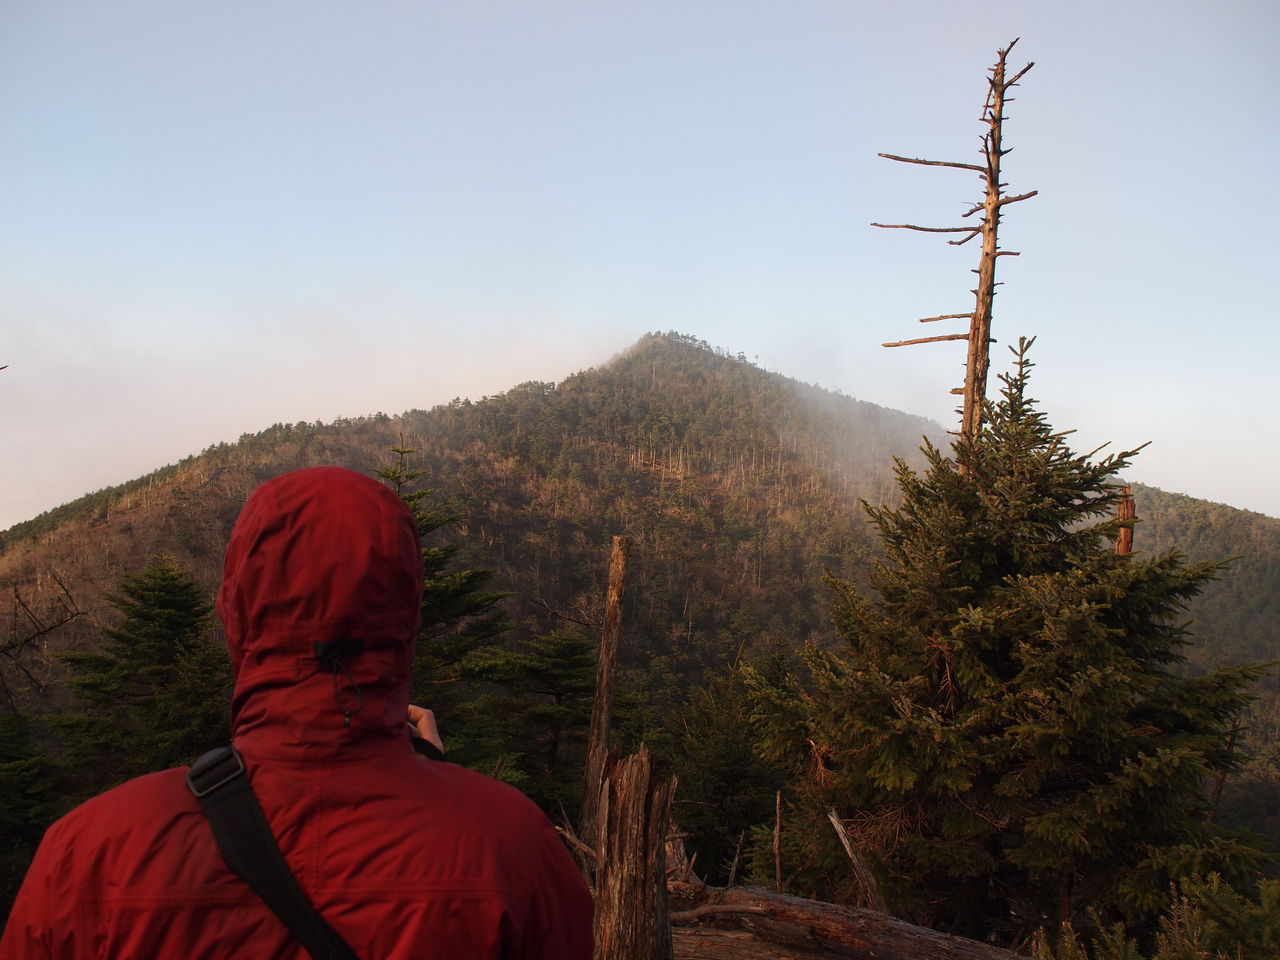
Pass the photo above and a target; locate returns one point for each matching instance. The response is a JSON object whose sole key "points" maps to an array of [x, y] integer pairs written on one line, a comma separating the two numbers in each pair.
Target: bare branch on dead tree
{"points": [[938, 339], [912, 226], [26, 626], [933, 163], [945, 316], [992, 149], [589, 624]]}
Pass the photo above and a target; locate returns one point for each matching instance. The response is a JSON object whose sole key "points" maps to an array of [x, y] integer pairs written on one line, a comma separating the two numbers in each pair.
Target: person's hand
{"points": [[423, 724]]}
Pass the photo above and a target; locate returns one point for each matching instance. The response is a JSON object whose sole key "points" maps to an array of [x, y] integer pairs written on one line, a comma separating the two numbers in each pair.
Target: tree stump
{"points": [[632, 917]]}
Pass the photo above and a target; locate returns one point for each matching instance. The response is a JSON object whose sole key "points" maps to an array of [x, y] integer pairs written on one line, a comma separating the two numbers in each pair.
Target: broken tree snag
{"points": [[1125, 513], [602, 706], [632, 920], [775, 926], [979, 332], [979, 355], [868, 889]]}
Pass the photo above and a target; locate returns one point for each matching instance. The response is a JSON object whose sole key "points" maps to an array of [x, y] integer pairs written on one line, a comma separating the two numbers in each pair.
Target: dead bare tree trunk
{"points": [[1125, 511], [632, 920], [977, 361], [602, 706]]}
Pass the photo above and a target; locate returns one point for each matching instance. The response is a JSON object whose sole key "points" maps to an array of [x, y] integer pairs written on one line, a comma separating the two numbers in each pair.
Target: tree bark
{"points": [[632, 920], [977, 361], [979, 354], [774, 926], [602, 706], [1125, 511]]}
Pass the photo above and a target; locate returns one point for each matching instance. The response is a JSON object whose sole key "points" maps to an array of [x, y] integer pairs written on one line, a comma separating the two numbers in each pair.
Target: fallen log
{"points": [[753, 923], [707, 943]]}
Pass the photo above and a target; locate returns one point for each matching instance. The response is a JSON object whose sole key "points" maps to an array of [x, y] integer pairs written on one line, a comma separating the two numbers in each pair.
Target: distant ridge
{"points": [[739, 488]]}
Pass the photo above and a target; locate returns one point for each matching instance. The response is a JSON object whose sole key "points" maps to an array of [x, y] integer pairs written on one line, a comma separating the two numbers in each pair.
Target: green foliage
{"points": [[1007, 728], [30, 795], [458, 615], [1207, 919], [530, 724], [737, 486], [725, 789], [1249, 795], [156, 694], [1244, 607]]}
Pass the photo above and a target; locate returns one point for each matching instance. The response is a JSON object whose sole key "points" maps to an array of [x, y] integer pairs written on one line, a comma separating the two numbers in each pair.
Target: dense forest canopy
{"points": [[742, 492], [739, 487]]}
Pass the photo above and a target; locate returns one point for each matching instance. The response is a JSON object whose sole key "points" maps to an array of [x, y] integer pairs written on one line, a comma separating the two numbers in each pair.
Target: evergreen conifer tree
{"points": [[156, 694], [726, 790], [1005, 727], [458, 614], [529, 725], [30, 795], [460, 619]]}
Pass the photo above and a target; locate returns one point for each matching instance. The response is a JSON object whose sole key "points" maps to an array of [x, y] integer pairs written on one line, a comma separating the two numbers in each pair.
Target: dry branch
{"points": [[946, 316], [934, 163], [1022, 196], [870, 890], [912, 226], [947, 336], [589, 624]]}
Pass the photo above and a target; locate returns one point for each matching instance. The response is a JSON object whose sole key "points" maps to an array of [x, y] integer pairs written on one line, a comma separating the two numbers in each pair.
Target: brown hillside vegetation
{"points": [[738, 488]]}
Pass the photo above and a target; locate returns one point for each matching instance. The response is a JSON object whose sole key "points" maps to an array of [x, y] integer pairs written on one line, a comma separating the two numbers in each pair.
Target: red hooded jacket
{"points": [[403, 856]]}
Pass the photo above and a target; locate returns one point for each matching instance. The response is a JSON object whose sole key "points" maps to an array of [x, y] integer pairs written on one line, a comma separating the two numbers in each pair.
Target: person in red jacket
{"points": [[403, 856]]}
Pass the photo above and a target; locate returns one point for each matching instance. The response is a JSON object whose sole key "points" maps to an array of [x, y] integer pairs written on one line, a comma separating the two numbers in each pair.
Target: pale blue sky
{"points": [[218, 216]]}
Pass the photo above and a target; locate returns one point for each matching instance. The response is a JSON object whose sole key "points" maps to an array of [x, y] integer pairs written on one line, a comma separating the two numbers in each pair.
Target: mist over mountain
{"points": [[738, 487]]}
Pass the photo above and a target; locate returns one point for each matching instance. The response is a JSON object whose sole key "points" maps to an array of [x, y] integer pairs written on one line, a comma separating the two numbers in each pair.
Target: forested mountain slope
{"points": [[738, 488], [1239, 616]]}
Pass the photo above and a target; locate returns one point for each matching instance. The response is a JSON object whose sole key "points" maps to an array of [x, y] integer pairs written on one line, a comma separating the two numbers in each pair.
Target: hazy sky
{"points": [[216, 216]]}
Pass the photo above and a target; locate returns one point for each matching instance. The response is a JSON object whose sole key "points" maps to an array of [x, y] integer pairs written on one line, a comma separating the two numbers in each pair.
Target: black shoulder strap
{"points": [[244, 837]]}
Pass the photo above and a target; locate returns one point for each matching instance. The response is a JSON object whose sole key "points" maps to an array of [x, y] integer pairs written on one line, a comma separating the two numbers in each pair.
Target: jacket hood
{"points": [[321, 599]]}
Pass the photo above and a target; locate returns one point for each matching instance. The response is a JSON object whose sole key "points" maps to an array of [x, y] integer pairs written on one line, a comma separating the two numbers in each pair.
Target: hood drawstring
{"points": [[330, 655]]}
